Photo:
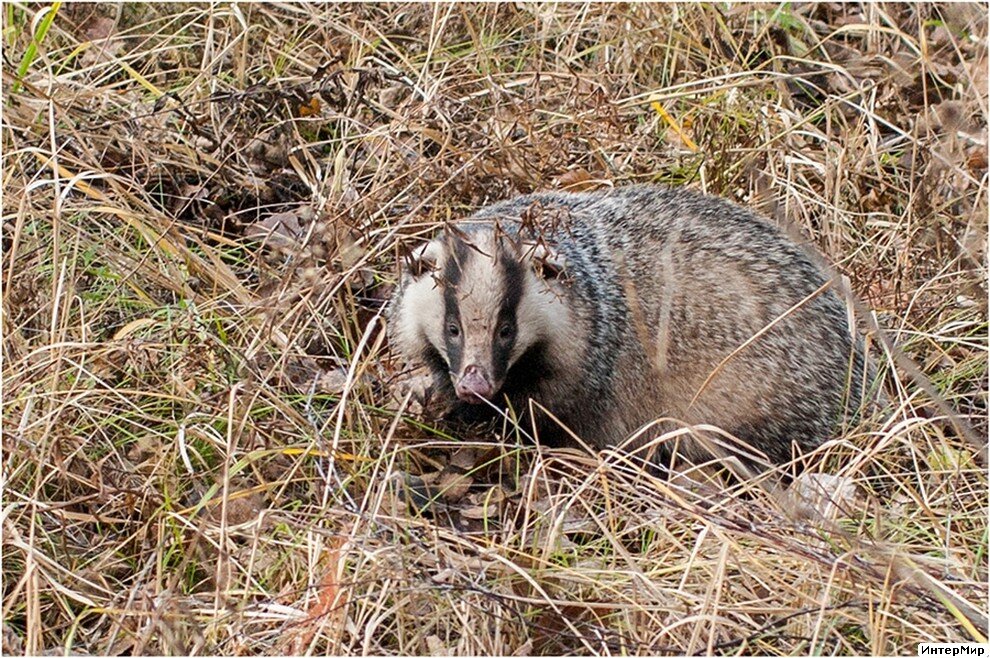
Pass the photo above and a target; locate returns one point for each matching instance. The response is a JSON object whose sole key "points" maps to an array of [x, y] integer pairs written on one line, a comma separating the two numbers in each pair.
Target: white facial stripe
{"points": [[429, 254], [421, 313], [543, 315], [479, 297]]}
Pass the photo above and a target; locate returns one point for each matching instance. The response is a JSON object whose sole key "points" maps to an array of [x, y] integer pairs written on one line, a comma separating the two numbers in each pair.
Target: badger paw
{"points": [[424, 398]]}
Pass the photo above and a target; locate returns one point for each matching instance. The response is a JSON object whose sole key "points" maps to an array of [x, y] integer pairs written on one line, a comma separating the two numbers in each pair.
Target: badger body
{"points": [[612, 310]]}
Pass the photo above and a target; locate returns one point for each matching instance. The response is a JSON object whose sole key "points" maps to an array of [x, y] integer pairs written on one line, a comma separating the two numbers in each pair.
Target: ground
{"points": [[204, 448]]}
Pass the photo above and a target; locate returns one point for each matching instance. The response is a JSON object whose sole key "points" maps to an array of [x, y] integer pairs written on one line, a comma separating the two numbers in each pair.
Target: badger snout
{"points": [[474, 385]]}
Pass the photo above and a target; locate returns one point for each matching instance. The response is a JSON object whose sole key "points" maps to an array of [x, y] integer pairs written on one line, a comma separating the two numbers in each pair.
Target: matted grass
{"points": [[203, 449]]}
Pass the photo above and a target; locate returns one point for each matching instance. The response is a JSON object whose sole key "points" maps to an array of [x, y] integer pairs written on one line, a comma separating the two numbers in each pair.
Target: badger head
{"points": [[474, 302]]}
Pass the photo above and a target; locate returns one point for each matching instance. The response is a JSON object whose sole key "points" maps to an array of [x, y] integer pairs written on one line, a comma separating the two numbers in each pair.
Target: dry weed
{"points": [[202, 208]]}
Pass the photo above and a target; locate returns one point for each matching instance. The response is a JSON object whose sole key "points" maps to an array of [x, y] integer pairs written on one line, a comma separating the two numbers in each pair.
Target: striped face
{"points": [[483, 283], [478, 303]]}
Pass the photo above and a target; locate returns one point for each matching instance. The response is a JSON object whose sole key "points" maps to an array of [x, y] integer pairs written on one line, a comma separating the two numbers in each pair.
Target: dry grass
{"points": [[202, 450]]}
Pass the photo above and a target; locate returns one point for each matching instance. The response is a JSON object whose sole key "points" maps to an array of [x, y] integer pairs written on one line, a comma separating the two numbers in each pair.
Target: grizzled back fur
{"points": [[615, 309]]}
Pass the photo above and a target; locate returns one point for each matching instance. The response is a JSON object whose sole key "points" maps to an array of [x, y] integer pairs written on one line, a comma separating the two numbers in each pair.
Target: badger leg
{"points": [[425, 394]]}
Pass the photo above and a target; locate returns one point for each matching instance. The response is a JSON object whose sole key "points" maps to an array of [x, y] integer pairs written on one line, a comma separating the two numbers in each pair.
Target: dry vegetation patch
{"points": [[203, 448]]}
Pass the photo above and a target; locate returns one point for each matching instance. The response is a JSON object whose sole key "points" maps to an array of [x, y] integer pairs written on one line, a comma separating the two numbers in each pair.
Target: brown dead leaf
{"points": [[242, 507], [453, 486], [283, 229], [479, 512], [327, 608], [100, 45], [351, 251], [13, 645], [312, 108], [951, 115], [552, 635], [333, 381], [977, 159], [99, 27], [145, 448], [465, 458], [393, 95], [577, 180]]}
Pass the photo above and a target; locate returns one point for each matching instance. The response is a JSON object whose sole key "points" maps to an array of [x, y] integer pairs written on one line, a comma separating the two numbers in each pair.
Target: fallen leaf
{"points": [[577, 180], [311, 108], [328, 607], [830, 495], [283, 229], [333, 381], [453, 486], [977, 159]]}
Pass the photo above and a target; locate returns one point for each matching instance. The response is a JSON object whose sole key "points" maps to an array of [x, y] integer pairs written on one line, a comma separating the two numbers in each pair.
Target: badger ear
{"points": [[548, 263], [424, 259]]}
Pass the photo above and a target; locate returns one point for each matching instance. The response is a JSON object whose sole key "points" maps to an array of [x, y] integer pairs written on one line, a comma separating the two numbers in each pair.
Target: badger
{"points": [[598, 315]]}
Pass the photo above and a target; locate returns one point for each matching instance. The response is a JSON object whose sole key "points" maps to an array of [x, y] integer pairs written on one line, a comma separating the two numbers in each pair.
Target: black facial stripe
{"points": [[433, 359], [512, 277], [513, 281], [452, 272], [460, 252], [452, 315]]}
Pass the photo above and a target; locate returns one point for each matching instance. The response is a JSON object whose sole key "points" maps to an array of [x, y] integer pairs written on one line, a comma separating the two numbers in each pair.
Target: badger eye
{"points": [[453, 330], [505, 331]]}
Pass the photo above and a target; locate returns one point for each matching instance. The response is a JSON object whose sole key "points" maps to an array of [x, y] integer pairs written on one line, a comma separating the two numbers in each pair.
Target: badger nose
{"points": [[474, 385]]}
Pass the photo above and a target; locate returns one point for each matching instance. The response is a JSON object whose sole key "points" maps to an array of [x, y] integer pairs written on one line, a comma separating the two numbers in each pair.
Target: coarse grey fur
{"points": [[634, 304]]}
